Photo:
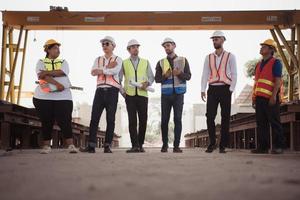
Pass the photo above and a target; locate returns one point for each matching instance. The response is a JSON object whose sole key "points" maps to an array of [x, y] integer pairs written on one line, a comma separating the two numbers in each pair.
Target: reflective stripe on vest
{"points": [[264, 80], [106, 79], [173, 83], [138, 75], [52, 64], [219, 75]]}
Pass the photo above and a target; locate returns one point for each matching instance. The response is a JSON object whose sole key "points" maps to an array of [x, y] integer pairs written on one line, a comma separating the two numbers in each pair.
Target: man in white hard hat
{"points": [[107, 69], [172, 72], [138, 70], [220, 73]]}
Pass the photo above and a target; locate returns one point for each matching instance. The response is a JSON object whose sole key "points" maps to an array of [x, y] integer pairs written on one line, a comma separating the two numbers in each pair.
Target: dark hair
{"points": [[49, 47], [273, 50]]}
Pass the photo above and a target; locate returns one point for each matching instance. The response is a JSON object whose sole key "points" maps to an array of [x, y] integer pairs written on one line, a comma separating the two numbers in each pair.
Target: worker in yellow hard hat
{"points": [[271, 43], [49, 43], [266, 100], [52, 97]]}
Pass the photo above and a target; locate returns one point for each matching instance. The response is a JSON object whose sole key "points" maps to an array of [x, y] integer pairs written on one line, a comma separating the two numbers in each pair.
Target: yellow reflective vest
{"points": [[138, 75], [52, 64]]}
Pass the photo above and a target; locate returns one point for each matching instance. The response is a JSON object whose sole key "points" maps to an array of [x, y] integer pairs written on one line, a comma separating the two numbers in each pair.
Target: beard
{"points": [[217, 46], [169, 52]]}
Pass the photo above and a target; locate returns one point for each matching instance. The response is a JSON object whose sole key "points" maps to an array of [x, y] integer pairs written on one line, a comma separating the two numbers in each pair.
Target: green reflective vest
{"points": [[138, 75], [52, 64]]}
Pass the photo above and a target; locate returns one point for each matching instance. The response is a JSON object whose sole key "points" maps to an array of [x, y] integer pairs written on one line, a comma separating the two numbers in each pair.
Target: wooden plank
{"points": [[13, 68], [22, 68], [3, 62], [155, 20], [287, 47]]}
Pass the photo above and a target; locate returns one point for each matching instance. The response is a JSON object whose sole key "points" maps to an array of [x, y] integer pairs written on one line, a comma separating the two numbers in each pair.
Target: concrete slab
{"points": [[192, 175]]}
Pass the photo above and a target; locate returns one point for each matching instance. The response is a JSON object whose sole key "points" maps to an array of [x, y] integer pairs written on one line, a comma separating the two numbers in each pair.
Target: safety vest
{"points": [[138, 75], [50, 65], [173, 83], [219, 75], [104, 79], [264, 81]]}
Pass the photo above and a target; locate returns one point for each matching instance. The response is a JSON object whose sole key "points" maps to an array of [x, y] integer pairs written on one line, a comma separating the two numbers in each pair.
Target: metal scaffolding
{"points": [[23, 21]]}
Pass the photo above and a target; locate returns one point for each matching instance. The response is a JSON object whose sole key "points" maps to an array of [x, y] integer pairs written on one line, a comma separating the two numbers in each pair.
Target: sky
{"points": [[80, 48]]}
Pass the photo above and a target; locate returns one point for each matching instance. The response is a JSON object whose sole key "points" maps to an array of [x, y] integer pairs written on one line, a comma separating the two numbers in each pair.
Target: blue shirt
{"points": [[277, 67]]}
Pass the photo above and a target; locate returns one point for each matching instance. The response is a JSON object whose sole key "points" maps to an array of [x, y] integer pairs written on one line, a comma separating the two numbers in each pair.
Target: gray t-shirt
{"points": [[64, 80]]}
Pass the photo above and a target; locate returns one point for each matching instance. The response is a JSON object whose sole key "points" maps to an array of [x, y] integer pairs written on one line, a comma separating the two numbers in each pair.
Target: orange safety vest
{"points": [[219, 75], [106, 79], [264, 81]]}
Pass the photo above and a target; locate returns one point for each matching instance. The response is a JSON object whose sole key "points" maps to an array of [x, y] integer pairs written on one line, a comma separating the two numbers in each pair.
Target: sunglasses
{"points": [[105, 44]]}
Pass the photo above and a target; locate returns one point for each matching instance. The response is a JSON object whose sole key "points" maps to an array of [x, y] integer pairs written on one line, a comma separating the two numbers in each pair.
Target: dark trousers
{"points": [[50, 111], [267, 115], [137, 106], [168, 102], [105, 98], [216, 95]]}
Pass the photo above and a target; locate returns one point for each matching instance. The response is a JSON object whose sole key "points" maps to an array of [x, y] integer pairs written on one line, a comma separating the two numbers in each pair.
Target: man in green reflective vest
{"points": [[138, 77]]}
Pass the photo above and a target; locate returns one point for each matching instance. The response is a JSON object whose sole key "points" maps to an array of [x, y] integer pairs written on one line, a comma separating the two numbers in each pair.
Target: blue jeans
{"points": [[167, 102]]}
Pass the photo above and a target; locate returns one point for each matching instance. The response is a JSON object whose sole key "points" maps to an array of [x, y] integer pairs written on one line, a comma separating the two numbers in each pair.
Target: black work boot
{"points": [[260, 151], [177, 150], [164, 149], [133, 150], [107, 148], [210, 148], [87, 149], [277, 151], [142, 150]]}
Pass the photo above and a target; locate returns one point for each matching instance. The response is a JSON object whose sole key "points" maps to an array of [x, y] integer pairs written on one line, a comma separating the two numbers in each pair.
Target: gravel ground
{"points": [[194, 174]]}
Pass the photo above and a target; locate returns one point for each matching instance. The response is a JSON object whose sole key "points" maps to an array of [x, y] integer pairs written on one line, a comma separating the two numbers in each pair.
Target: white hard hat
{"points": [[167, 40], [218, 34], [132, 43], [109, 39]]}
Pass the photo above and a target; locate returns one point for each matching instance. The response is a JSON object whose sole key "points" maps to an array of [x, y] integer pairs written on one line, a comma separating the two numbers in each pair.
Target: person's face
{"points": [[107, 47], [134, 50], [265, 50], [53, 52], [169, 47], [218, 42]]}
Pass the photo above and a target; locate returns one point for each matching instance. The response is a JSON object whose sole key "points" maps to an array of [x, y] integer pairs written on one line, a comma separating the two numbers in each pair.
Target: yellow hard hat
{"points": [[50, 42], [270, 42]]}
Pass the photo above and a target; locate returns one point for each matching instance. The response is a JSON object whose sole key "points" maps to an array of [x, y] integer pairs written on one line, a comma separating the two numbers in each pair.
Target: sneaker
{"points": [[87, 149], [72, 149], [177, 150], [45, 150]]}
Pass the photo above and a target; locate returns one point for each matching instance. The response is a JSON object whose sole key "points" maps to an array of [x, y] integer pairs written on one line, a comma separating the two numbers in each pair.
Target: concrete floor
{"points": [[153, 175]]}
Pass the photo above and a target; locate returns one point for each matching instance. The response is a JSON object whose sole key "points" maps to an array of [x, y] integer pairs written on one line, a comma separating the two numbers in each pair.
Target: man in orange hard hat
{"points": [[266, 100]]}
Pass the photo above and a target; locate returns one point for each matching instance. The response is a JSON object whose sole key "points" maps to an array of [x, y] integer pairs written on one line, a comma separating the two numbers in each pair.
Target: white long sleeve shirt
{"points": [[109, 71], [231, 71]]}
